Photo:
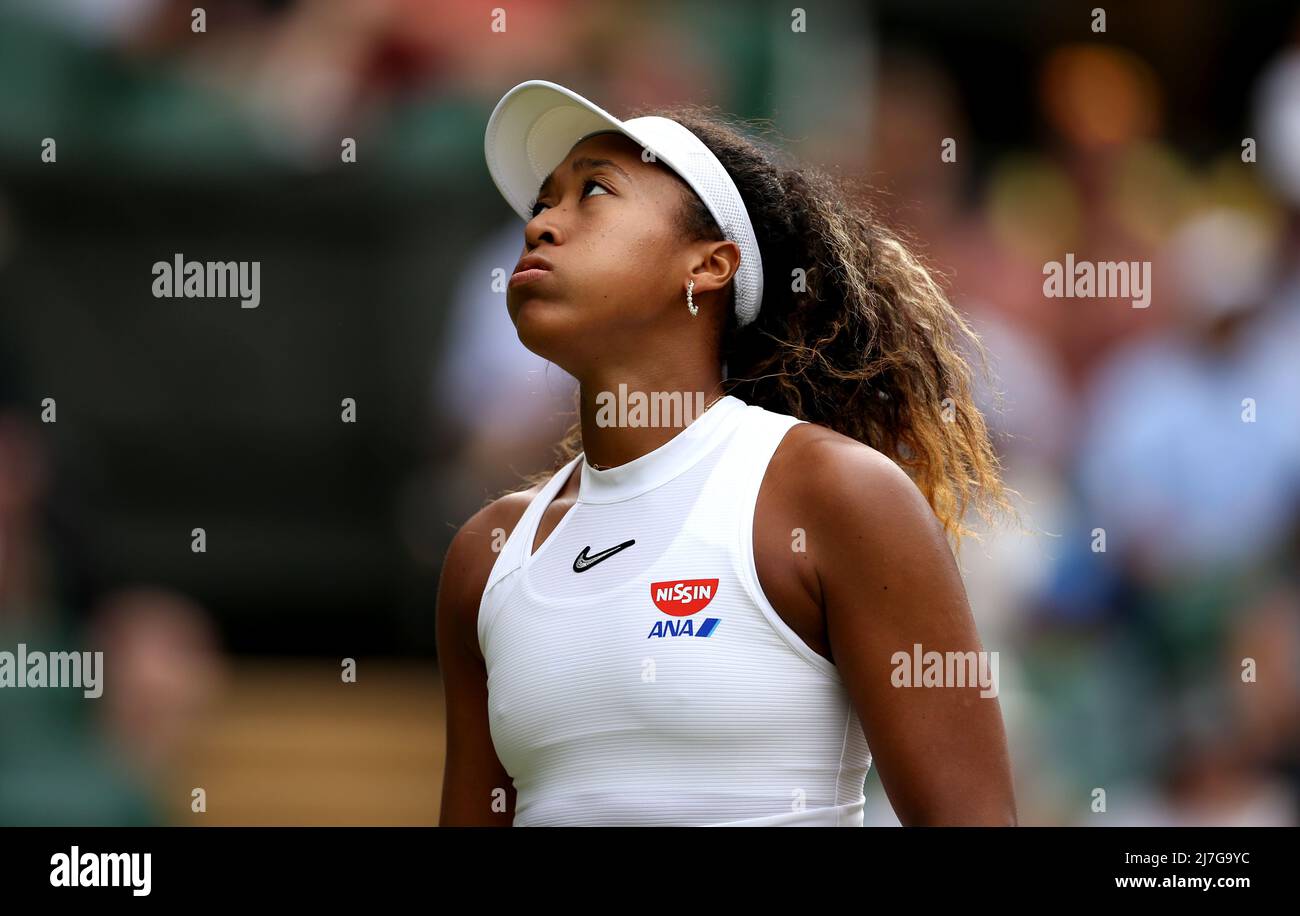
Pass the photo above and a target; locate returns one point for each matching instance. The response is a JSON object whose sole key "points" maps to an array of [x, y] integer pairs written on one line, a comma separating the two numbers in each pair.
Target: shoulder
{"points": [[825, 466], [872, 539], [469, 560], [500, 515], [847, 487], [478, 542]]}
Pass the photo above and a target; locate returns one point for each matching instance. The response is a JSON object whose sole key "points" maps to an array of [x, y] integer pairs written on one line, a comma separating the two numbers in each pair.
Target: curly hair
{"points": [[854, 332]]}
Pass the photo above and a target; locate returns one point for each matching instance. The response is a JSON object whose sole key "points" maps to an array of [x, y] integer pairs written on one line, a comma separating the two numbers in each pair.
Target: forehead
{"points": [[613, 146]]}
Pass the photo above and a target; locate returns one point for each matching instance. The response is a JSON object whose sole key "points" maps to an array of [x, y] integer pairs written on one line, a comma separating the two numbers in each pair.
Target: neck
{"points": [[625, 415]]}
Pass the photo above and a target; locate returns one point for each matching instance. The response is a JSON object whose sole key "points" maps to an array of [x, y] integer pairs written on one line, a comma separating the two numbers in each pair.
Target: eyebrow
{"points": [[579, 165]]}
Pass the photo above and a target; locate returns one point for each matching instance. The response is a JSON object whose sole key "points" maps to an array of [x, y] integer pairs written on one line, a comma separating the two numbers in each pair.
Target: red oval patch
{"points": [[683, 597]]}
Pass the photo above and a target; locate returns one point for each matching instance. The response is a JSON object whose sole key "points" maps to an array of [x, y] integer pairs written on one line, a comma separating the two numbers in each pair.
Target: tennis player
{"points": [[711, 614]]}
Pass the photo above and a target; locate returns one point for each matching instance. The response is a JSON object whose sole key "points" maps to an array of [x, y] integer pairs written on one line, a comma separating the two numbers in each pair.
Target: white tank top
{"points": [[655, 685]]}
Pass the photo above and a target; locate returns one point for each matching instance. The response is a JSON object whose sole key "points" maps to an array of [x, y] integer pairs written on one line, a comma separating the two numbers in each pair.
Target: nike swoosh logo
{"points": [[585, 561]]}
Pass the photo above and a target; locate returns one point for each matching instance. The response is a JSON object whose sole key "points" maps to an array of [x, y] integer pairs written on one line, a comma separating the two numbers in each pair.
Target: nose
{"points": [[544, 227], [534, 239]]}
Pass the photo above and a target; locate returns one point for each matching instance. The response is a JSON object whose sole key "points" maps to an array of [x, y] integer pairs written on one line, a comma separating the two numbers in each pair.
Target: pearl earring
{"points": [[690, 301]]}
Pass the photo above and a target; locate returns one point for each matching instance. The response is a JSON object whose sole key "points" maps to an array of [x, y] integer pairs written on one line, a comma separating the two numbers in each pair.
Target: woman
{"points": [[708, 619]]}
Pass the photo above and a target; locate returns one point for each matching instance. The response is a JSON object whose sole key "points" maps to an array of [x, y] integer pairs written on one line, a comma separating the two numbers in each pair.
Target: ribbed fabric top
{"points": [[664, 463], [637, 674]]}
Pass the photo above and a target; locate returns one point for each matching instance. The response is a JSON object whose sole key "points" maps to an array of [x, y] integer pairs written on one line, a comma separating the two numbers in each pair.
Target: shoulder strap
{"points": [[751, 450], [515, 549]]}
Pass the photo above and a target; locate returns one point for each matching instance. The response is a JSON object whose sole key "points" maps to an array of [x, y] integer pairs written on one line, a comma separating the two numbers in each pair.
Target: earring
{"points": [[690, 302]]}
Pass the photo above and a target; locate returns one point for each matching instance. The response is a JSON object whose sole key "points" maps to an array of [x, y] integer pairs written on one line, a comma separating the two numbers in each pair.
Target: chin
{"points": [[546, 328]]}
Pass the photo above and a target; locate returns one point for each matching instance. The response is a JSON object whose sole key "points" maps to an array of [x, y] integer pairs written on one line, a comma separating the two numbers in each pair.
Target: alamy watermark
{"points": [[654, 408], [103, 869], [946, 669], [1100, 280], [84, 670], [182, 279]]}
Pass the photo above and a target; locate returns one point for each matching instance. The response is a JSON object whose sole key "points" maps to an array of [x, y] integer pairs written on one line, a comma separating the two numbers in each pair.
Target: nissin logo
{"points": [[681, 598]]}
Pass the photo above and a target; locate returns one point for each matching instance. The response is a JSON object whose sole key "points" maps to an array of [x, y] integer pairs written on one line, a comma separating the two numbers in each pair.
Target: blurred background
{"points": [[1121, 670]]}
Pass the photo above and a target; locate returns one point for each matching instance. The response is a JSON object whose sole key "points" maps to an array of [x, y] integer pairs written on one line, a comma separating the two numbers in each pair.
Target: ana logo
{"points": [[681, 598]]}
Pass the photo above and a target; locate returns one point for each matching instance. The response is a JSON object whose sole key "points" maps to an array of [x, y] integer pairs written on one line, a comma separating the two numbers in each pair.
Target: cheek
{"points": [[634, 253]]}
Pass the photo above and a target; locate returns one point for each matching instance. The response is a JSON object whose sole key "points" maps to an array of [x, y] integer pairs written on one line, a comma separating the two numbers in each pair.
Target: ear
{"points": [[716, 264]]}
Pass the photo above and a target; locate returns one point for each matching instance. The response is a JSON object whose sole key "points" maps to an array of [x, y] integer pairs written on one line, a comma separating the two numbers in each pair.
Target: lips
{"points": [[532, 262], [531, 267]]}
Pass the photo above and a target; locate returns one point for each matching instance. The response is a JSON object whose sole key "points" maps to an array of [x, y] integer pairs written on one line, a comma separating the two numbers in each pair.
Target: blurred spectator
{"points": [[1179, 471], [66, 759]]}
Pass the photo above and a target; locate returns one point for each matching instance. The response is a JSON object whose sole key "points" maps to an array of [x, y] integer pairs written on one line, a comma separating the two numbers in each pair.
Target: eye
{"points": [[532, 208]]}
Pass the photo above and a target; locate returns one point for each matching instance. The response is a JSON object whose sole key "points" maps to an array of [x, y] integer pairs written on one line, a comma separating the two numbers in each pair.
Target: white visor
{"points": [[535, 124]]}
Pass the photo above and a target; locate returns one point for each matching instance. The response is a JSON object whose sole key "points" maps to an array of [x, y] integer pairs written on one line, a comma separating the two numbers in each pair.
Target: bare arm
{"points": [[476, 789], [889, 581]]}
